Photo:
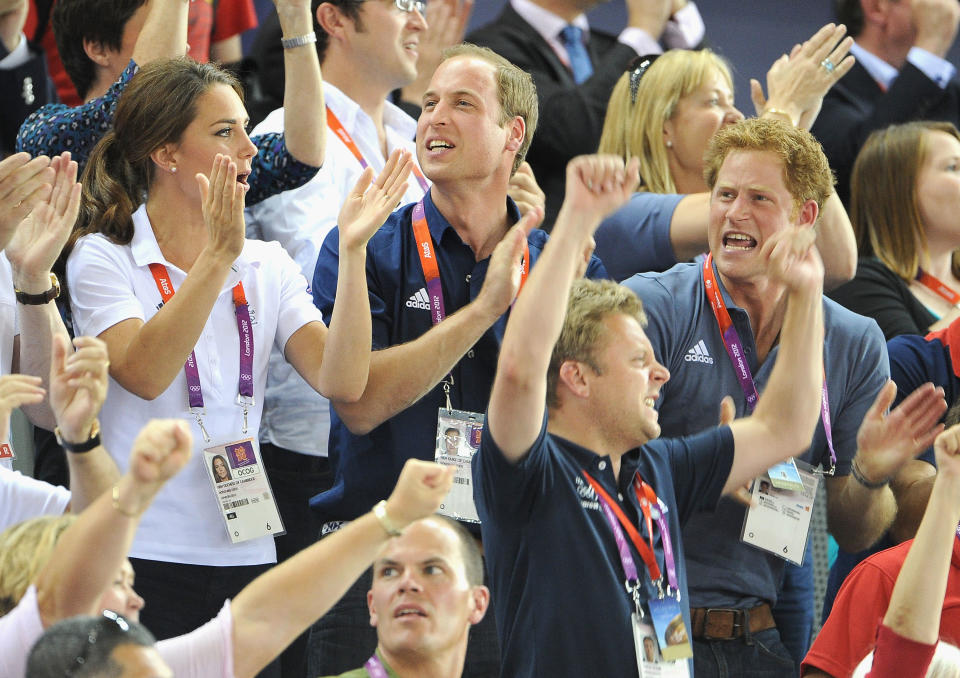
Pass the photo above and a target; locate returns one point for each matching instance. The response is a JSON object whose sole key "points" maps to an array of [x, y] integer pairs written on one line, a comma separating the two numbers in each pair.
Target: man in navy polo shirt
{"points": [[436, 339], [733, 584], [567, 466]]}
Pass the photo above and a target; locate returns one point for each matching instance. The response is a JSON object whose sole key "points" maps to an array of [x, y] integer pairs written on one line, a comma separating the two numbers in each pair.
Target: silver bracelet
{"points": [[299, 41], [380, 511]]}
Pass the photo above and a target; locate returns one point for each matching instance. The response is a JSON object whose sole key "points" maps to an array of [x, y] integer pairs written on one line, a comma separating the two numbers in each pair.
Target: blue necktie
{"points": [[572, 38]]}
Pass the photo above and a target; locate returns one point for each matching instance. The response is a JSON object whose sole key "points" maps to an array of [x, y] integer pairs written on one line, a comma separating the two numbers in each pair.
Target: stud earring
{"points": [[669, 145], [173, 170]]}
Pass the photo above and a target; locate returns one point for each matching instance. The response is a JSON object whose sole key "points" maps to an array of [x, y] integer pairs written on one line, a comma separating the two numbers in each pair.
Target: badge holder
{"points": [[785, 476], [458, 439], [779, 522], [243, 490], [652, 652]]}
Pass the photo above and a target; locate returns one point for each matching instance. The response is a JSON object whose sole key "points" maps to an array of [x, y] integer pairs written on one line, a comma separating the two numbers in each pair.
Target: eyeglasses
{"points": [[411, 5], [92, 637], [636, 69]]}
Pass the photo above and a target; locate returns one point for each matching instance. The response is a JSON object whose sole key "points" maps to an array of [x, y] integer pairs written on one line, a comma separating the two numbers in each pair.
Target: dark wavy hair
{"points": [[158, 104]]}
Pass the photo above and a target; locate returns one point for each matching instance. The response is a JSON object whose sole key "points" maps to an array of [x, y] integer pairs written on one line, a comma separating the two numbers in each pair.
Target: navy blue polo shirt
{"points": [[555, 574], [367, 466], [724, 572], [914, 361]]}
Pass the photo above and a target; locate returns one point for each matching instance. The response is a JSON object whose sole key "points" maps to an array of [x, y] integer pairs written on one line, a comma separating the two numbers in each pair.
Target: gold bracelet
{"points": [[780, 111], [116, 504]]}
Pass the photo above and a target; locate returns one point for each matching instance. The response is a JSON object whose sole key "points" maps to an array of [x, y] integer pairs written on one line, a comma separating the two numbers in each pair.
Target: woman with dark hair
{"points": [[904, 204], [161, 271], [220, 468]]}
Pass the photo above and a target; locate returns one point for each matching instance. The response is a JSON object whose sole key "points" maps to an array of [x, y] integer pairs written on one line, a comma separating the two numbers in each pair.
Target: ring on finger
{"points": [[828, 65]]}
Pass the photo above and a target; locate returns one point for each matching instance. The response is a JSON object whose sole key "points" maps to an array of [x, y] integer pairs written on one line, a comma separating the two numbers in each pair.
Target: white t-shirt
{"points": [[295, 417], [9, 327], [110, 283], [206, 652], [23, 497]]}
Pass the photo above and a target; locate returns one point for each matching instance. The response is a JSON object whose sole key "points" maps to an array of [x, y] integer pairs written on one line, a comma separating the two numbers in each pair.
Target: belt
{"points": [[722, 623]]}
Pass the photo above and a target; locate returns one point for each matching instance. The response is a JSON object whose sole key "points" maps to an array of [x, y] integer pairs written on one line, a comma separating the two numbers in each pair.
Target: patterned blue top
{"points": [[55, 128]]}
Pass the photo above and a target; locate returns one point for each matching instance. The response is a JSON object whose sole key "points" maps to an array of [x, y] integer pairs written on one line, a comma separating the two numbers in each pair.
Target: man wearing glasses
{"points": [[366, 50]]}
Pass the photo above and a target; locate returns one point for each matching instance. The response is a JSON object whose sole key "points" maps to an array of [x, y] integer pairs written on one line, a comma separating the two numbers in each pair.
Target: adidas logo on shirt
{"points": [[421, 300], [699, 354]]}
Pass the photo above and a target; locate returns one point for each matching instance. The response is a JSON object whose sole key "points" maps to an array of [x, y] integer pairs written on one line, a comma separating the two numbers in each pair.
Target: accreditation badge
{"points": [[650, 660], [243, 491], [458, 439], [6, 451], [779, 523]]}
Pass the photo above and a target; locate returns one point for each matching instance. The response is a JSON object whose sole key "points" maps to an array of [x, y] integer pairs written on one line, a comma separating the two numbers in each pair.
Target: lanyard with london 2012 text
{"points": [[244, 329], [731, 341], [333, 122], [431, 272], [938, 287], [616, 517]]}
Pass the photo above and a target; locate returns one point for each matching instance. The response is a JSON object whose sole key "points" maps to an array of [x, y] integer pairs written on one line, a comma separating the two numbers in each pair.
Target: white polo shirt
{"points": [[110, 283], [23, 497], [296, 417]]}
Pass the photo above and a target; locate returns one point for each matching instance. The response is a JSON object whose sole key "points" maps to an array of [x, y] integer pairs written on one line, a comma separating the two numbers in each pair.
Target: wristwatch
{"points": [[43, 297], [79, 448]]}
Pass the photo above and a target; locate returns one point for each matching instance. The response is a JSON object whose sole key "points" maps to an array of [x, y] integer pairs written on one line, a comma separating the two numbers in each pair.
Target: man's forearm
{"points": [[401, 375], [304, 129], [856, 515], [91, 474], [911, 489]]}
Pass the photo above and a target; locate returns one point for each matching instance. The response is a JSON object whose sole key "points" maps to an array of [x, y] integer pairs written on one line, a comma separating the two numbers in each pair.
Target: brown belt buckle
{"points": [[740, 624]]}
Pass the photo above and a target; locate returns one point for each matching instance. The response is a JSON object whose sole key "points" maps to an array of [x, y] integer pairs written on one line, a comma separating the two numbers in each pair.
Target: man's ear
{"points": [[332, 20], [574, 378], [372, 609], [516, 132], [481, 602], [96, 52], [809, 212]]}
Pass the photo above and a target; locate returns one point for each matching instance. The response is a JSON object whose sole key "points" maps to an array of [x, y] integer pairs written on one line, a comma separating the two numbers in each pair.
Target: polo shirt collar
{"points": [[438, 223], [348, 111], [146, 250], [588, 459]]}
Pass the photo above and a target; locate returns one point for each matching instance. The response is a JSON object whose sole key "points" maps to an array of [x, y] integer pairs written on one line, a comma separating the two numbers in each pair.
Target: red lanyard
{"points": [[333, 122], [939, 288], [645, 551], [731, 341], [192, 373], [431, 271]]}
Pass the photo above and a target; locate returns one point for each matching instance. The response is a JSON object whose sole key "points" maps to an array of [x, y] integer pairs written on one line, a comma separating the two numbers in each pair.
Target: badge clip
{"points": [[198, 415]]}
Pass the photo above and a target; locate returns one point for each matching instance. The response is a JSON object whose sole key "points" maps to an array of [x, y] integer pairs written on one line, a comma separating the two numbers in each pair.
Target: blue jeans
{"points": [[343, 638], [763, 656], [794, 609]]}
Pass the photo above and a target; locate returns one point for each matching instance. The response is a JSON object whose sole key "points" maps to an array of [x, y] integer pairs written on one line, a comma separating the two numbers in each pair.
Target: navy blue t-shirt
{"points": [[367, 466], [555, 573]]}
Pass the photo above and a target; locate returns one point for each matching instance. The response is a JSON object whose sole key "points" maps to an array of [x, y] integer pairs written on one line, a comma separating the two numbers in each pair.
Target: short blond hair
{"points": [[24, 549], [633, 126], [591, 302], [515, 91], [806, 172]]}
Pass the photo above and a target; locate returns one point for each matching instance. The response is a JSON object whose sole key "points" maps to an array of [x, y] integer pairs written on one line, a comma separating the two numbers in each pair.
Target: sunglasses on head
{"points": [[636, 69], [92, 638]]}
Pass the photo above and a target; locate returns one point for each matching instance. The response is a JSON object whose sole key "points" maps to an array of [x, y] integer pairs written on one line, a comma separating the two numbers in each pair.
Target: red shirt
{"points": [[850, 632], [232, 18]]}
